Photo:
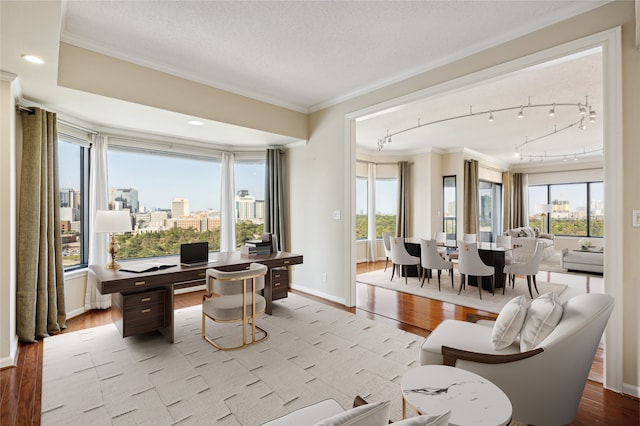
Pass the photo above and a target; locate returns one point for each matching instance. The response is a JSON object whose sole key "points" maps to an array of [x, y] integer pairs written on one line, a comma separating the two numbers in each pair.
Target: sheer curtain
{"points": [[275, 218], [40, 306], [98, 200], [371, 209], [403, 223], [227, 205], [471, 219]]}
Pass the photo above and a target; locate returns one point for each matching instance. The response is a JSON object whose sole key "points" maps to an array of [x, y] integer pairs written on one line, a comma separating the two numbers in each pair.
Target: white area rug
{"points": [[313, 352], [469, 296]]}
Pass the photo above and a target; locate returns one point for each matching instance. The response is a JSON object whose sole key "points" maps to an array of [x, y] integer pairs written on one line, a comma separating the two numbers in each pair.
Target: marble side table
{"points": [[472, 399]]}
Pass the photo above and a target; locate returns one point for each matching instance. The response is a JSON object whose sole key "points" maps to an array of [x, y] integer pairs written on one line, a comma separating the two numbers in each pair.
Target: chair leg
{"points": [[405, 274], [504, 282], [451, 274], [423, 277], [479, 282], [535, 285], [439, 272], [493, 285], [529, 285], [393, 271], [386, 264], [462, 285]]}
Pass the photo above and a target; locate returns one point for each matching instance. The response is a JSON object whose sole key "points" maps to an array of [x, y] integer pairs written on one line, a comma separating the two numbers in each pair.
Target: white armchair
{"points": [[545, 383]]}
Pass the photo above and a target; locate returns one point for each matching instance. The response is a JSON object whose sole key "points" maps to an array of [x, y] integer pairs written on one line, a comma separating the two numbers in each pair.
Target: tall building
{"points": [[245, 205], [126, 199], [179, 207]]}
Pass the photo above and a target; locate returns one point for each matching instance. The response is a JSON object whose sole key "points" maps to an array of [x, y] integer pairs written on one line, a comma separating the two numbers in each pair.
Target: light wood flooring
{"points": [[21, 386]]}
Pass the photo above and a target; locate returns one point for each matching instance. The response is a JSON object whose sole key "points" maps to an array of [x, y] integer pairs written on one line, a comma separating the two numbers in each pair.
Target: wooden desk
{"points": [[143, 302]]}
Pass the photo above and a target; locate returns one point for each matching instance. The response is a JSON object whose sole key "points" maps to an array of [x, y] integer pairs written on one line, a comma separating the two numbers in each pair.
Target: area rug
{"points": [[312, 352], [469, 297]]}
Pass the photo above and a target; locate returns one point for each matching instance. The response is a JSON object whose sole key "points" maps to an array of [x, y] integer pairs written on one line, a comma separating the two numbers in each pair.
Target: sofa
{"points": [[524, 240], [538, 353], [583, 260]]}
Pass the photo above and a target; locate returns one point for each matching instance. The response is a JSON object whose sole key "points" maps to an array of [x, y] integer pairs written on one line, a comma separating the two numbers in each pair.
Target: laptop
{"points": [[194, 254]]}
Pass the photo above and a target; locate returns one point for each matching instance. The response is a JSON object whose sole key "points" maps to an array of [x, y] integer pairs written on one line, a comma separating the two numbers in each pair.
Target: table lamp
{"points": [[112, 221]]}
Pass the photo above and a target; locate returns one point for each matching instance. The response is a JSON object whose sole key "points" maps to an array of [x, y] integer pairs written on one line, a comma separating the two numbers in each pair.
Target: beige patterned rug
{"points": [[469, 297], [313, 352]]}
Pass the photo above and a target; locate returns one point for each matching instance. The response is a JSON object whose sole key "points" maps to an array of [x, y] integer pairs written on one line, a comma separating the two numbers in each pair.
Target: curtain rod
{"points": [[21, 108]]}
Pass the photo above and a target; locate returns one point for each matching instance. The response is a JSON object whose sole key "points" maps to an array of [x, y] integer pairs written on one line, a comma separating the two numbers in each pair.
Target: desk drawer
{"points": [[184, 276], [143, 312], [279, 283], [144, 299], [135, 283]]}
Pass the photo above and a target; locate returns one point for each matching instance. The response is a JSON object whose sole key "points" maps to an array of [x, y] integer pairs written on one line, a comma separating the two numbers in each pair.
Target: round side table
{"points": [[472, 399]]}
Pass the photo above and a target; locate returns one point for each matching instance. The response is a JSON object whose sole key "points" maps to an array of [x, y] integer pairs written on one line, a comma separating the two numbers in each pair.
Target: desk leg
{"points": [[167, 331], [268, 293]]}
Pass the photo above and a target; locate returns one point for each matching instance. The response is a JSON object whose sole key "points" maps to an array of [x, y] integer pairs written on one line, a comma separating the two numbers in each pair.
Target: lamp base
{"points": [[113, 265], [113, 251]]}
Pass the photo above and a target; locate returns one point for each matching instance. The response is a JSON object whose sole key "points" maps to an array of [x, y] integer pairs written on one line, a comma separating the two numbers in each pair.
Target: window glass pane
{"points": [[362, 200], [250, 185], [449, 201], [173, 200], [490, 210], [596, 209], [386, 208], [569, 216], [69, 161], [537, 198]]}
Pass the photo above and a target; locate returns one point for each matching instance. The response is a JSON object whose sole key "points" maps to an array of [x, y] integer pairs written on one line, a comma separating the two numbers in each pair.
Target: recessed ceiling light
{"points": [[195, 123], [33, 59]]}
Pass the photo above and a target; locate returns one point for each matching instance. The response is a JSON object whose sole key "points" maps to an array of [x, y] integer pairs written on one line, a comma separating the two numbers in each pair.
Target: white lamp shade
{"points": [[112, 221]]}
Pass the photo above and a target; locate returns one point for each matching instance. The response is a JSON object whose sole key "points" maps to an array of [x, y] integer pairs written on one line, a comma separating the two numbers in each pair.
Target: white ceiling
{"points": [[303, 55]]}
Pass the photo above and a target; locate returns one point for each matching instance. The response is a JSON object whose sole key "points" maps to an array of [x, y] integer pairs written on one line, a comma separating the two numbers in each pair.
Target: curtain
{"points": [[227, 205], [404, 211], [520, 200], [98, 200], [471, 221], [275, 218], [507, 202], [371, 207], [40, 307]]}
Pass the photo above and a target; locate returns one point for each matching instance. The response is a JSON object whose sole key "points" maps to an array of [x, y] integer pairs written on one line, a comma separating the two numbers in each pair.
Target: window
{"points": [[450, 222], [172, 199], [490, 194], [362, 203], [250, 185], [73, 157], [386, 206], [577, 208]]}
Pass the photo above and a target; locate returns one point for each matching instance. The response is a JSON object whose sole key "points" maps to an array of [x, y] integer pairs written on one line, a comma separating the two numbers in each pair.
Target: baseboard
{"points": [[632, 390], [10, 361], [76, 312], [317, 293]]}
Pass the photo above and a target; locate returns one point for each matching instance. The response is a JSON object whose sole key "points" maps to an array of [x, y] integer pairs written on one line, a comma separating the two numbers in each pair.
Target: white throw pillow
{"points": [[374, 414], [543, 316], [425, 420], [509, 322]]}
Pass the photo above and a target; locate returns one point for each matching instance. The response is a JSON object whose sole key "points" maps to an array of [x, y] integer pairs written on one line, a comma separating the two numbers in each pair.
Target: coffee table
{"points": [[472, 399]]}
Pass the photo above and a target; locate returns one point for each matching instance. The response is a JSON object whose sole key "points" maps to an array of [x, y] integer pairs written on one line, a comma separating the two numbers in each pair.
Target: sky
{"points": [[160, 179]]}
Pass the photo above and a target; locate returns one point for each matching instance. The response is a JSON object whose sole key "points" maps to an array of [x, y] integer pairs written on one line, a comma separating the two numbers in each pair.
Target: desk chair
{"points": [[232, 297]]}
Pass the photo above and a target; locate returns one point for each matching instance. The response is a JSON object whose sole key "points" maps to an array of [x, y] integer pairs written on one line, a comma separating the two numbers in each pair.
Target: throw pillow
{"points": [[426, 420], [543, 316], [373, 414], [509, 322], [536, 232], [522, 233]]}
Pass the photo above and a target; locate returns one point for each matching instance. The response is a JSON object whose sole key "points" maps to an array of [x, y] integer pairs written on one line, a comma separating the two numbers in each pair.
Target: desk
{"points": [[472, 400], [143, 302]]}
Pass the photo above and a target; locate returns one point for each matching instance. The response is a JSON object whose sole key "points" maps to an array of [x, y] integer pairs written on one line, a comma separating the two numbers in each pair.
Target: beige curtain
{"points": [[520, 200], [40, 309], [275, 214], [403, 224], [471, 220], [507, 202]]}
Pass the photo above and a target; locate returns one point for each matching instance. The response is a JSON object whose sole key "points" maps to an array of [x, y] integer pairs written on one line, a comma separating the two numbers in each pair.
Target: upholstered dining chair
{"points": [[431, 259], [401, 258], [233, 297], [470, 265], [529, 268], [466, 238], [386, 241], [505, 241], [441, 241]]}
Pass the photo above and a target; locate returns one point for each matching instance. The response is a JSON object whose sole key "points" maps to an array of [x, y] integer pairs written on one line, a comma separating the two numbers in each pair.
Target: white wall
{"points": [[8, 339]]}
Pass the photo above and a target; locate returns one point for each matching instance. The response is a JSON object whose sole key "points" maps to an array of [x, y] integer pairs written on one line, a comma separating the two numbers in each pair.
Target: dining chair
{"points": [[441, 241], [466, 238], [401, 258], [236, 300], [470, 264], [386, 241], [529, 268], [431, 259], [505, 241]]}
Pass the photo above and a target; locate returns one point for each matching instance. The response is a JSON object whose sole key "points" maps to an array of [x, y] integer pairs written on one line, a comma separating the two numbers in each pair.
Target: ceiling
{"points": [[303, 55]]}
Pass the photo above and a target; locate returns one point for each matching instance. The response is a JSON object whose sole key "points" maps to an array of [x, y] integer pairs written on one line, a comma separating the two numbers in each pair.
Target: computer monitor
{"points": [[194, 253]]}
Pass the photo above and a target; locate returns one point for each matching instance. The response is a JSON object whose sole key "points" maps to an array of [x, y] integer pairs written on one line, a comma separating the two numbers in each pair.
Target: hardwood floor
{"points": [[21, 386]]}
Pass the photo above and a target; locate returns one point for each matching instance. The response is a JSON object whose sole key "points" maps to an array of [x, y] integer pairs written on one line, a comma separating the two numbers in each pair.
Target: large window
{"points": [[386, 206], [577, 209], [250, 186], [362, 207], [172, 199], [73, 180], [449, 218], [490, 194]]}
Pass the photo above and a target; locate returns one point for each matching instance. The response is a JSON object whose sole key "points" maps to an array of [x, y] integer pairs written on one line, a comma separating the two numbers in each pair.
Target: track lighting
{"points": [[490, 116], [521, 114], [592, 115], [552, 111]]}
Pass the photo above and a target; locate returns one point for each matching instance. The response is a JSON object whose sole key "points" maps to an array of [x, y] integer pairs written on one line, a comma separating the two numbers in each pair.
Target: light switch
{"points": [[336, 214]]}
